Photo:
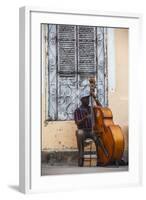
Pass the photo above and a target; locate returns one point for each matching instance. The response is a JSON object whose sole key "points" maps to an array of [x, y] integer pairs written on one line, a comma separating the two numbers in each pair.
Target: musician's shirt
{"points": [[80, 113]]}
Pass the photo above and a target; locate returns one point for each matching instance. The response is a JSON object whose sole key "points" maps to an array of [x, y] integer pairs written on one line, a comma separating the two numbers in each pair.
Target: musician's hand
{"points": [[92, 94], [87, 116]]}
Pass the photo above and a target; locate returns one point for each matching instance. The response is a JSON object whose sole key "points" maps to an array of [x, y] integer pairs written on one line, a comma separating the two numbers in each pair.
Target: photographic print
{"points": [[80, 114], [84, 99]]}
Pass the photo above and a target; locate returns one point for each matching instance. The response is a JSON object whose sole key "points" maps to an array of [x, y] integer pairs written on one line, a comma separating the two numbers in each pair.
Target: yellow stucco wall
{"points": [[118, 100], [61, 135], [58, 135]]}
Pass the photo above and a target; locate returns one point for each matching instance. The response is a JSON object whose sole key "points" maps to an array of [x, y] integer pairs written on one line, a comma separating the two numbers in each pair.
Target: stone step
{"points": [[68, 158]]}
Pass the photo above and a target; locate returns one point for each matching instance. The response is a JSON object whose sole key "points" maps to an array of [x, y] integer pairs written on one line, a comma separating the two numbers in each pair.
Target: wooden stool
{"points": [[88, 157]]}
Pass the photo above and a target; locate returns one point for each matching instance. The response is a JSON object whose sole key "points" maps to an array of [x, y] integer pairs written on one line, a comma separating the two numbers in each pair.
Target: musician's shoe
{"points": [[80, 162], [99, 164]]}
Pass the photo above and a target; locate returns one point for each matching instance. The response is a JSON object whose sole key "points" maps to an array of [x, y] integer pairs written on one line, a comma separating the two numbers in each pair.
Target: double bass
{"points": [[110, 135]]}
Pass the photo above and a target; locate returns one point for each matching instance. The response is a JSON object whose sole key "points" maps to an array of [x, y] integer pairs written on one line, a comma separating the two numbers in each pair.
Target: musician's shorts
{"points": [[86, 133]]}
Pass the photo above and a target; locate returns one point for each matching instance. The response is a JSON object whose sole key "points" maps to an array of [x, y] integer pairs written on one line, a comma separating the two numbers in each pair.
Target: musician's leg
{"points": [[80, 142], [100, 143], [103, 147], [95, 139]]}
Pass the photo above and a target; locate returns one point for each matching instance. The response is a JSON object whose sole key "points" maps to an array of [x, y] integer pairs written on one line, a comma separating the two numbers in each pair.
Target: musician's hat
{"points": [[84, 93]]}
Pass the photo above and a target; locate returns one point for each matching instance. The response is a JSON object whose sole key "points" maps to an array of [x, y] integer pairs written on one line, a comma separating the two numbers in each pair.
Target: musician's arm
{"points": [[80, 121]]}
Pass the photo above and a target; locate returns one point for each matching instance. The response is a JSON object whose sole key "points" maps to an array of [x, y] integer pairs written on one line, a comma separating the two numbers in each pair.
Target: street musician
{"points": [[84, 120]]}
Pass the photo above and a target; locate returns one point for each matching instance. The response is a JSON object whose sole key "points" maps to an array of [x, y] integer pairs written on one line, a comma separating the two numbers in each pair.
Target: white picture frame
{"points": [[30, 154]]}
